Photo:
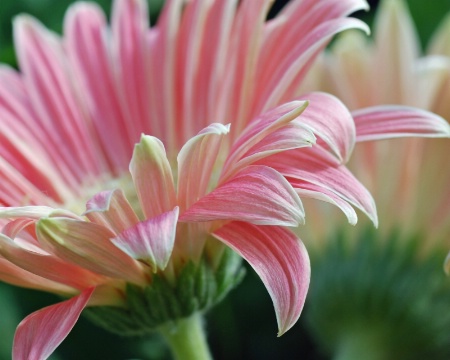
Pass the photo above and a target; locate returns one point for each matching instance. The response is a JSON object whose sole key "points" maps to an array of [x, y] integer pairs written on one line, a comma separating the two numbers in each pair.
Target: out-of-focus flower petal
{"points": [[152, 177], [40, 333], [281, 261], [196, 160], [439, 43], [320, 168], [258, 195], [34, 212], [447, 264], [384, 122], [112, 210], [397, 47], [329, 119], [150, 241], [88, 245]]}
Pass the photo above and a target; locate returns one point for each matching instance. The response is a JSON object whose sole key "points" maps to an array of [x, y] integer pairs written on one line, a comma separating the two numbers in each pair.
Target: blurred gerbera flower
{"points": [[226, 161], [388, 286]]}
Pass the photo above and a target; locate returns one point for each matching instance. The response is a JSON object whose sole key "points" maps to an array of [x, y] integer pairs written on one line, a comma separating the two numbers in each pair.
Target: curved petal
{"points": [[258, 195], [40, 333], [196, 160], [111, 209], [447, 264], [256, 131], [152, 177], [150, 241], [384, 122], [88, 245], [313, 191], [47, 266], [15, 275], [330, 119], [281, 261], [318, 167]]}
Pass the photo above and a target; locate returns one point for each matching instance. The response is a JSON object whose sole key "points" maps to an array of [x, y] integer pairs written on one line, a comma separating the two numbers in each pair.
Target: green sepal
{"points": [[197, 288]]}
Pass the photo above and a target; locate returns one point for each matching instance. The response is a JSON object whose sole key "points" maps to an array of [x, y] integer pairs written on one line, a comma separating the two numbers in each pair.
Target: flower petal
{"points": [[256, 131], [329, 119], [258, 195], [281, 261], [318, 167], [40, 333], [150, 241], [196, 160], [88, 245], [447, 264], [384, 122], [397, 48], [112, 210], [13, 274], [47, 266], [152, 177]]}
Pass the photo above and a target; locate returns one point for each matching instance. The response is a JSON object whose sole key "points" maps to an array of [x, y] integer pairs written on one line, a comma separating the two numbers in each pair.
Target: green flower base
{"points": [[198, 287]]}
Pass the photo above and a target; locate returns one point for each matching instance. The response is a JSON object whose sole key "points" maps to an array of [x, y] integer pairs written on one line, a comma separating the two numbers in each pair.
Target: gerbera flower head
{"points": [[225, 156]]}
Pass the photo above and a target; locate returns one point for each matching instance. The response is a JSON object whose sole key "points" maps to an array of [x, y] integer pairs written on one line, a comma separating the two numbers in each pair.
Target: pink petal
{"points": [[47, 266], [280, 260], [329, 119], [284, 78], [52, 92], [384, 122], [258, 194], [152, 177], [318, 167], [150, 241], [129, 25], [89, 50], [40, 333], [195, 163], [257, 130], [12, 274], [309, 190], [112, 210], [88, 245]]}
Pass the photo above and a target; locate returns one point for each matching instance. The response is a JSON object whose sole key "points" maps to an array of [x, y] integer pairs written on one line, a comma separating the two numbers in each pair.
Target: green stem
{"points": [[186, 338]]}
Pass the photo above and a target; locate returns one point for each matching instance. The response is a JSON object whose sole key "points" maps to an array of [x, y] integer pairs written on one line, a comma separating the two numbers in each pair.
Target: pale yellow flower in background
{"points": [[409, 178]]}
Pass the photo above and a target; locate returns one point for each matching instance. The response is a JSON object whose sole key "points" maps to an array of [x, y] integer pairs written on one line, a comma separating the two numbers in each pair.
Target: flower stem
{"points": [[186, 338]]}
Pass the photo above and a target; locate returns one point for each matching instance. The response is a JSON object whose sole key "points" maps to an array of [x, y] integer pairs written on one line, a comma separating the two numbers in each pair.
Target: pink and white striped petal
{"points": [[111, 209], [320, 168], [40, 333], [330, 120], [258, 195], [309, 190], [257, 130], [281, 261], [15, 275], [196, 160], [152, 177], [88, 245], [47, 266], [150, 241], [390, 121]]}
